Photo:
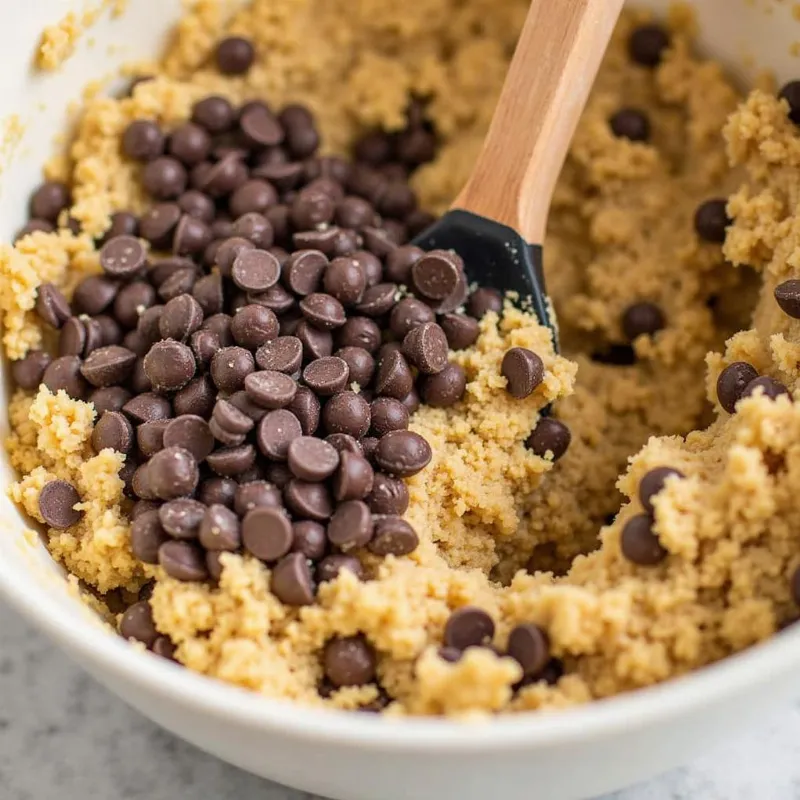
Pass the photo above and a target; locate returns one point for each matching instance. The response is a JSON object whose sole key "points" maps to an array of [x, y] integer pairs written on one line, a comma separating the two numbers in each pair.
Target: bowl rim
{"points": [[707, 686]]}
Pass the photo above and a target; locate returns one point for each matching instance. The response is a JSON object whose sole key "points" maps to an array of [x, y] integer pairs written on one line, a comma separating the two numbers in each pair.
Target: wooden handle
{"points": [[557, 57]]}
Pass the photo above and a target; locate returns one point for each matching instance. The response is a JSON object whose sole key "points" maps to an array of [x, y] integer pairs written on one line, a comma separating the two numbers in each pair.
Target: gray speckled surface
{"points": [[63, 737]]}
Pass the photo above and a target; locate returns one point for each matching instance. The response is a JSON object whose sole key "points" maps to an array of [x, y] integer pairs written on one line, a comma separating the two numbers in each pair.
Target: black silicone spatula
{"points": [[497, 222]]}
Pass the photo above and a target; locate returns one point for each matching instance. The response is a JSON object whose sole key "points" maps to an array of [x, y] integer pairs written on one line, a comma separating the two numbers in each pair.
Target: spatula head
{"points": [[494, 255]]}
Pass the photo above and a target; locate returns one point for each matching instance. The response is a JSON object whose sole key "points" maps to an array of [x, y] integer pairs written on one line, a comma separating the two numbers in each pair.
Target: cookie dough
{"points": [[525, 539]]}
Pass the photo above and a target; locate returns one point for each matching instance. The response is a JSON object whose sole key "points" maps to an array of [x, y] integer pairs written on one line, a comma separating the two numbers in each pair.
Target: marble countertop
{"points": [[64, 737]]}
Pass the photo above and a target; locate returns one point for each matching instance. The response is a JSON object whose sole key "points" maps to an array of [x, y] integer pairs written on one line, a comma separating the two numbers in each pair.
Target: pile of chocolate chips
{"points": [[259, 379]]}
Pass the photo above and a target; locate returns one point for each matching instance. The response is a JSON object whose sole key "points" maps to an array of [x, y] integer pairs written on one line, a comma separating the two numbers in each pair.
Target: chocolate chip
{"points": [[388, 414], [306, 407], [137, 624], [164, 647], [647, 44], [253, 226], [94, 338], [52, 306], [170, 365], [345, 280], [181, 518], [181, 317], [94, 294], [148, 407], [49, 200], [107, 366], [147, 536], [326, 376], [143, 140], [732, 382], [351, 525], [267, 533], [329, 568], [640, 544], [323, 311], [214, 113], [308, 538], [468, 626], [652, 483], [56, 501], [450, 654], [164, 178], [291, 581], [791, 94], [231, 419], [349, 661], [113, 430], [217, 490], [256, 494], [528, 645], [232, 461], [131, 300], [549, 436], [765, 385], [302, 140], [28, 372], [435, 275], [426, 348], [403, 453], [275, 433], [444, 389], [523, 370], [393, 377], [347, 412], [275, 298], [123, 223], [483, 300], [270, 389], [378, 300], [184, 561], [787, 295], [220, 325], [65, 373], [197, 397], [711, 220], [219, 529], [190, 143], [360, 364], [253, 196], [308, 500], [229, 368], [110, 398], [354, 212], [393, 536], [354, 479], [642, 319], [158, 224], [150, 437], [316, 343], [235, 55], [73, 338], [172, 472], [630, 123], [408, 314], [304, 270], [191, 237], [204, 344], [388, 496], [312, 459]]}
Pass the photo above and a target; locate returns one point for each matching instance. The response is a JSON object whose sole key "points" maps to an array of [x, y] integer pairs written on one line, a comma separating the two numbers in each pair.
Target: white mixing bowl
{"points": [[571, 754]]}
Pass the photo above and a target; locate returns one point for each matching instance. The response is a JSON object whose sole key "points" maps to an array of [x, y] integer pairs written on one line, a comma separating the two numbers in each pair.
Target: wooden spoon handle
{"points": [[557, 57]]}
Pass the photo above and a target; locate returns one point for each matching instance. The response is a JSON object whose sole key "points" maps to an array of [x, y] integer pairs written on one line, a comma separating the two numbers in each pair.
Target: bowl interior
{"points": [[746, 36]]}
